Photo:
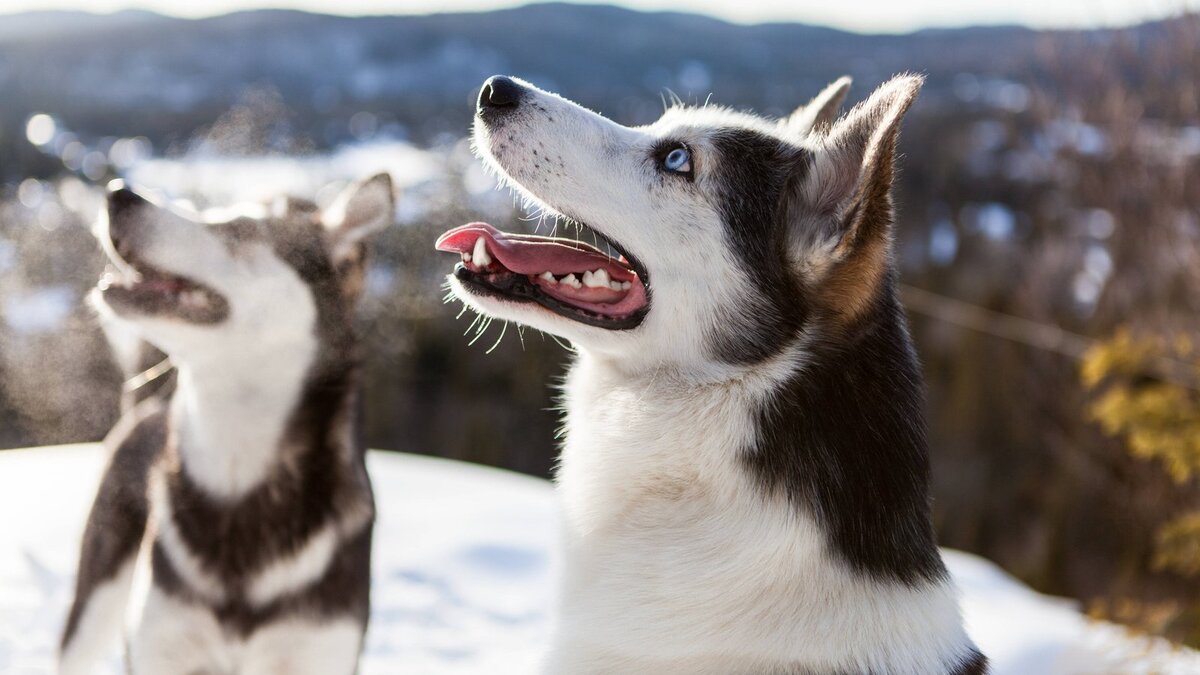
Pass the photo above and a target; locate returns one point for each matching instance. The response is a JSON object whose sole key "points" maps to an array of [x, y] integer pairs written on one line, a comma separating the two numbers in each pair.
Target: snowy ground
{"points": [[463, 576]]}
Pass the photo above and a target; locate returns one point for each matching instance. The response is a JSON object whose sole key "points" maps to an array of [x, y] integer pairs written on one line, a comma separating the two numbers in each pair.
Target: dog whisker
{"points": [[499, 339], [479, 333], [474, 321]]}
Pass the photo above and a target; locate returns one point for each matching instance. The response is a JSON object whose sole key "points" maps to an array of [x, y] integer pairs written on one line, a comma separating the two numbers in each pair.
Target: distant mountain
{"points": [[56, 24], [136, 73]]}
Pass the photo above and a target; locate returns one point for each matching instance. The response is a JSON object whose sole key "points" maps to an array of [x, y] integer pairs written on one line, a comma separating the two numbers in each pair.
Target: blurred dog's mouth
{"points": [[132, 286], [568, 277]]}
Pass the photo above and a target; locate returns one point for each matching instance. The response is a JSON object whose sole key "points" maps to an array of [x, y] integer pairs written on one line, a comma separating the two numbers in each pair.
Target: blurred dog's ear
{"points": [[819, 113], [361, 210]]}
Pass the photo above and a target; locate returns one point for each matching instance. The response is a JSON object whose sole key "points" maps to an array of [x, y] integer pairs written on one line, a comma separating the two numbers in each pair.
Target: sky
{"points": [[871, 16]]}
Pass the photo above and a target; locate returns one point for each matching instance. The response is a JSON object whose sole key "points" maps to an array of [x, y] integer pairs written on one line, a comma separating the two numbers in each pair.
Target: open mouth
{"points": [[568, 277], [131, 285]]}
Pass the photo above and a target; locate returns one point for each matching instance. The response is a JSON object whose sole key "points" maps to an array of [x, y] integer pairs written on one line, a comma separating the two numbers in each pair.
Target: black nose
{"points": [[500, 92]]}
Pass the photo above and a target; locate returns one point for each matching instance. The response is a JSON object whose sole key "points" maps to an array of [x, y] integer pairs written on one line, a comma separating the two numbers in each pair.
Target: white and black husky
{"points": [[744, 475], [245, 484]]}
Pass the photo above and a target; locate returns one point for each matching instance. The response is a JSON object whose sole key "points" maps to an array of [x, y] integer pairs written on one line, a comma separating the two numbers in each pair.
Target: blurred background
{"points": [[1048, 227]]}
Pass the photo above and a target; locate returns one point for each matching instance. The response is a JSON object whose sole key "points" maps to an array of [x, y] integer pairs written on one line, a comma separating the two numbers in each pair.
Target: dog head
{"points": [[283, 281], [732, 233]]}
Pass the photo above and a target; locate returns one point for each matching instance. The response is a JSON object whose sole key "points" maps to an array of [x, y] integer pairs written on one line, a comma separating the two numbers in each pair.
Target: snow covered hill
{"points": [[463, 576]]}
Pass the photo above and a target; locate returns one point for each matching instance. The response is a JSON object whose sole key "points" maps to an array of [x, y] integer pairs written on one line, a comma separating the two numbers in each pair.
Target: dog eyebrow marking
{"points": [[756, 169]]}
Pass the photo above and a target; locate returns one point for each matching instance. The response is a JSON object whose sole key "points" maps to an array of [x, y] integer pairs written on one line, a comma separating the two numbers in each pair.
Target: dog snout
{"points": [[500, 93]]}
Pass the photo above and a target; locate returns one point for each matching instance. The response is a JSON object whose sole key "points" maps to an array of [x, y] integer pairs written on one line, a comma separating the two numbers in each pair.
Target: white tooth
{"points": [[615, 285], [571, 281], [599, 279], [480, 255], [466, 257], [626, 285], [589, 279], [548, 278]]}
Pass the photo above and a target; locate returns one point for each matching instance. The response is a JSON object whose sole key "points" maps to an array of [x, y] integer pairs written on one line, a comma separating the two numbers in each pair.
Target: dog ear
{"points": [[819, 113], [847, 188], [850, 176], [362, 209]]}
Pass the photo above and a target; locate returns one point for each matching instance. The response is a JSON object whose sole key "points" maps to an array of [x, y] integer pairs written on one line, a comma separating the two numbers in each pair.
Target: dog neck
{"points": [[230, 419], [732, 496]]}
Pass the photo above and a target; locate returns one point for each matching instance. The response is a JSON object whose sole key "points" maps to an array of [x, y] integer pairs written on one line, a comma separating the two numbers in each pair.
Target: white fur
{"points": [[296, 571], [185, 563], [175, 638], [609, 182], [676, 561], [702, 573], [230, 425], [124, 341], [302, 647], [239, 381]]}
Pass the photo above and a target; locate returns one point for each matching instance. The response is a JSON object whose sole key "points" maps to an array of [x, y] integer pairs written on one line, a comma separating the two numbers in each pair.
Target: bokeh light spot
{"points": [[40, 129]]}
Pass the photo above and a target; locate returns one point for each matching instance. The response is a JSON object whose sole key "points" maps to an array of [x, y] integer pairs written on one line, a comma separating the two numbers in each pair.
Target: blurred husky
{"points": [[744, 475], [242, 474]]}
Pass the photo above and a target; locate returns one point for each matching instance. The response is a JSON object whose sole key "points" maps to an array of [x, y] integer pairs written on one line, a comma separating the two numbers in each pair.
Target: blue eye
{"points": [[678, 160]]}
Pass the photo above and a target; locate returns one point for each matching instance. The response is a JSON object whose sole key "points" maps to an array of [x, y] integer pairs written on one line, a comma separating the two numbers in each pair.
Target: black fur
{"points": [[117, 521], [320, 476], [317, 481], [339, 593], [976, 664], [275, 519], [844, 438], [756, 169]]}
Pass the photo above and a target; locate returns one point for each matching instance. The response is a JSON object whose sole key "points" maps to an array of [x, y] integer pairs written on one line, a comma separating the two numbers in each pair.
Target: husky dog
{"points": [[744, 476], [245, 480]]}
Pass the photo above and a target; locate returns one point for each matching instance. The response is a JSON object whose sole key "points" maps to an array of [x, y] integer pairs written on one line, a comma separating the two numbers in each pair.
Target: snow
{"points": [[231, 180], [461, 562], [463, 576]]}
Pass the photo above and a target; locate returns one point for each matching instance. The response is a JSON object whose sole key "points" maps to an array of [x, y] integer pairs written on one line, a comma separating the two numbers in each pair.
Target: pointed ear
{"points": [[847, 190], [362, 209], [850, 177], [819, 113]]}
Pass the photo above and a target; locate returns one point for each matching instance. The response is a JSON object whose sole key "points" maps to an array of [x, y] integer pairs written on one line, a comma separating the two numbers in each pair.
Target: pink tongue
{"points": [[532, 255]]}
